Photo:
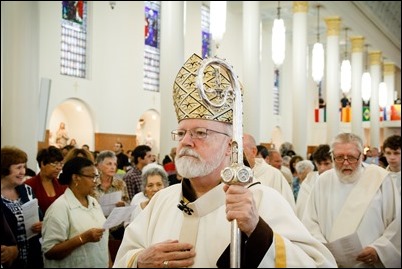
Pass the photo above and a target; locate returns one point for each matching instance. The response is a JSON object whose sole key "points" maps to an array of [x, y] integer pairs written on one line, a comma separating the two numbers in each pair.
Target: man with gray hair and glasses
{"points": [[189, 224], [359, 201]]}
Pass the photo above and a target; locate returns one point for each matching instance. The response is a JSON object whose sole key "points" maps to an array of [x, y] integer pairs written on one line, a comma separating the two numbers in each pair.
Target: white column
{"points": [[375, 58], [251, 61], [356, 95], [299, 77], [389, 79], [172, 58], [332, 77], [20, 76], [192, 29]]}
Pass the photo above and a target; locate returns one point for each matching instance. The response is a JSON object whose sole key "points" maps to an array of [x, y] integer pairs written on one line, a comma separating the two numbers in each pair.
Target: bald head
{"points": [[249, 149], [249, 141], [275, 159]]}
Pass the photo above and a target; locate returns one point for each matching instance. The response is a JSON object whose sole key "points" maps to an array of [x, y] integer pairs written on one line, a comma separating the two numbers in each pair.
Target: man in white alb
{"points": [[352, 198]]}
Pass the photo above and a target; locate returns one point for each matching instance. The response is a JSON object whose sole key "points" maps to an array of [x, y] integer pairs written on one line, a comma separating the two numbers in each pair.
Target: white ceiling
{"points": [[378, 21]]}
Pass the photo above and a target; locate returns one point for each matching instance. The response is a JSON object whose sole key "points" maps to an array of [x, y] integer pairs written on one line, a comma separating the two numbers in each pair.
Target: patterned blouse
{"points": [[117, 185], [25, 245]]}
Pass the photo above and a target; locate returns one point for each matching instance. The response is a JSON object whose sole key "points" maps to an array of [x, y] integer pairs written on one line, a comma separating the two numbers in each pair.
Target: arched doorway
{"points": [[148, 130], [78, 121]]}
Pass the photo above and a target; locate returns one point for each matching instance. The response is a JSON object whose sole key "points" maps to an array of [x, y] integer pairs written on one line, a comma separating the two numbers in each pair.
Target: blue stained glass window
{"points": [[206, 34], [73, 38], [152, 46]]}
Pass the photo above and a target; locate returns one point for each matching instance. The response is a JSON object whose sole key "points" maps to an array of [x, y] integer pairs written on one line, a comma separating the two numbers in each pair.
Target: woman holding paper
{"points": [[16, 195], [73, 233], [110, 185]]}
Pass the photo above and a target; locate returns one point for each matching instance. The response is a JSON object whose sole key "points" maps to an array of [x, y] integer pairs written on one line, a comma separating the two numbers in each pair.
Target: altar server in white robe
{"points": [[392, 152], [265, 173], [189, 224], [352, 198]]}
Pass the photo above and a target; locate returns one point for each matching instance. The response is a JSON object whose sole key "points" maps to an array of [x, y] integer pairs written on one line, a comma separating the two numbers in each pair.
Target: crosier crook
{"points": [[237, 172]]}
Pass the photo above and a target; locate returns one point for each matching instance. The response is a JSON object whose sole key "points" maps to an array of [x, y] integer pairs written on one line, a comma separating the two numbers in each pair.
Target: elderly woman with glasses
{"points": [[154, 178], [45, 184], [72, 232], [108, 183]]}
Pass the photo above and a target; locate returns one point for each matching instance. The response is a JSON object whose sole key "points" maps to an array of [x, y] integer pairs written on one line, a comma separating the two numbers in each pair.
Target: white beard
{"points": [[195, 166], [350, 178]]}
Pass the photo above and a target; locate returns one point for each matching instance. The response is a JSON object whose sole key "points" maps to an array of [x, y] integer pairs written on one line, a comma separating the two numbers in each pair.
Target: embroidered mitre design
{"points": [[187, 98]]}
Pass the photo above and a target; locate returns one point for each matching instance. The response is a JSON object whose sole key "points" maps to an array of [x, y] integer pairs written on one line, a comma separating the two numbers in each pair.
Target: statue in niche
{"points": [[61, 136]]}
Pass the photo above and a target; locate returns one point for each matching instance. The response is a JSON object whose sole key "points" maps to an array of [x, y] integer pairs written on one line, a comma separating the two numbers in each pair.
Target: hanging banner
{"points": [[366, 113]]}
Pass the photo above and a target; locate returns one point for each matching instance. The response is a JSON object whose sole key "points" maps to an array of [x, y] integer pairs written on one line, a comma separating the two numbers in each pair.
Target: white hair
{"points": [[301, 166]]}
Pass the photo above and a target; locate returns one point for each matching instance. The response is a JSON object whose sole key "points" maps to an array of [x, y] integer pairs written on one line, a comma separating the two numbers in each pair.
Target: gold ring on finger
{"points": [[166, 264]]}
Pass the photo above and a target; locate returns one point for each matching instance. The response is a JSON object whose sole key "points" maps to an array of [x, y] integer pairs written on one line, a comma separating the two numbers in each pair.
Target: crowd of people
{"points": [[293, 214]]}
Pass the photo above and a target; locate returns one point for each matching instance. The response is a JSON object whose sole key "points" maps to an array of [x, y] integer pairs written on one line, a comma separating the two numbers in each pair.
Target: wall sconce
{"points": [[112, 4]]}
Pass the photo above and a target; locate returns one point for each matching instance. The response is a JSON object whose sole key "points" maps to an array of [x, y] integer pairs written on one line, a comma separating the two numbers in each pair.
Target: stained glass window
{"points": [[152, 47], [206, 34], [73, 38]]}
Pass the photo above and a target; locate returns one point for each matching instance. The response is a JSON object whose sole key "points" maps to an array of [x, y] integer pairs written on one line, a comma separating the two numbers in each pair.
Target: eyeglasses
{"points": [[94, 177], [55, 164], [199, 133], [350, 159]]}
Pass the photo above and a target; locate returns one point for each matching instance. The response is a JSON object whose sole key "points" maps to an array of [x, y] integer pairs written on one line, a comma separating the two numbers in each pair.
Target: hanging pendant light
{"points": [[382, 94], [278, 39], [366, 80], [317, 66], [218, 20], [346, 68]]}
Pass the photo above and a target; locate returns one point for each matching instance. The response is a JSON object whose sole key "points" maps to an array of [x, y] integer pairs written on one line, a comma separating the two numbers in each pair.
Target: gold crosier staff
{"points": [[237, 172]]}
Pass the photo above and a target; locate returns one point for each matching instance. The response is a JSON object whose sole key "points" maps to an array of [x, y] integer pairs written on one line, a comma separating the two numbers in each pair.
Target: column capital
{"points": [[375, 57], [300, 6], [389, 69], [333, 25], [357, 43]]}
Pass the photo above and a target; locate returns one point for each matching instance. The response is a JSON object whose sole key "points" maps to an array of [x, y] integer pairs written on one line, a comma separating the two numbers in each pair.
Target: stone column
{"points": [[299, 77], [332, 76], [356, 95], [389, 79], [172, 58], [251, 61], [375, 59]]}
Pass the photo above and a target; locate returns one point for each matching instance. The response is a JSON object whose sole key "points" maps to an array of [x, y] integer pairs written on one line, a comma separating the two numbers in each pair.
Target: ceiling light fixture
{"points": [[366, 80], [278, 39], [218, 21], [317, 67], [346, 68]]}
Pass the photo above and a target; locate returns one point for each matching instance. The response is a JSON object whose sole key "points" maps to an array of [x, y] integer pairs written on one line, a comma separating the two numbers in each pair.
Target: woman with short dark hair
{"points": [[73, 233]]}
